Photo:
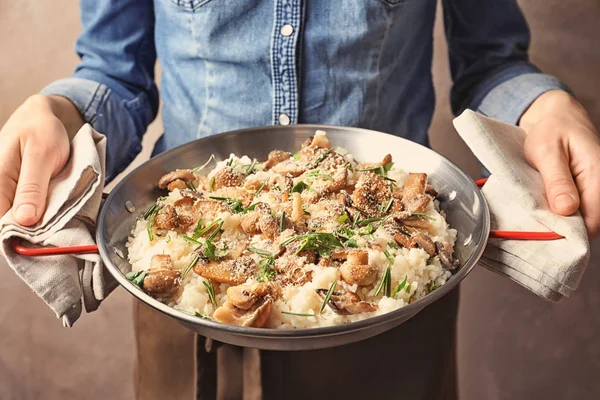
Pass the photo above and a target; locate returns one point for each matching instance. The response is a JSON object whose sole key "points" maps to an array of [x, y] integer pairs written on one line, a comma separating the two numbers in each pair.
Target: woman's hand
{"points": [[34, 147], [563, 145]]}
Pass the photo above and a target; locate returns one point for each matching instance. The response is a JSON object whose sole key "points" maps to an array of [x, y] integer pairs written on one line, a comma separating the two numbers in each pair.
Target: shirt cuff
{"points": [[88, 96], [511, 98]]}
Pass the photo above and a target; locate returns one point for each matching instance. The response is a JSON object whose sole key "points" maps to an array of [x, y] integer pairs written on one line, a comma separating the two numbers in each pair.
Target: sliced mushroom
{"points": [[419, 240], [249, 223], [370, 193], [358, 274], [232, 272], [276, 157], [167, 218], [245, 296], [184, 175], [228, 177], [414, 221], [347, 303], [161, 281], [414, 198], [290, 167], [446, 253], [257, 317], [268, 225], [176, 184]]}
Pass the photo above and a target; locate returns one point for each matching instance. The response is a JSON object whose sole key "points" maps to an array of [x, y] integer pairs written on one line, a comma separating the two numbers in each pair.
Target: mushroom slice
{"points": [[176, 184], [276, 157], [370, 193], [256, 317], [184, 175], [290, 167], [414, 221], [414, 198], [232, 272], [228, 177], [245, 296], [167, 218], [347, 303], [356, 269], [446, 253], [161, 281], [419, 240]]}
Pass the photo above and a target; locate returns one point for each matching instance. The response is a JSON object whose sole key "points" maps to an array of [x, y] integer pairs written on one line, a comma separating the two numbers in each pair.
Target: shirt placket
{"points": [[284, 40]]}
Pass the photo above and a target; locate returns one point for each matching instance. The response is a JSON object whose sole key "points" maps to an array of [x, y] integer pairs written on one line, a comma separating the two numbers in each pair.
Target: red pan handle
{"points": [[53, 251]]}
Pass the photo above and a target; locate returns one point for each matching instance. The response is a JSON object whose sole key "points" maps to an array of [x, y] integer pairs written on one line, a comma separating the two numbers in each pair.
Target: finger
{"points": [[589, 191], [32, 187], [552, 163], [8, 179]]}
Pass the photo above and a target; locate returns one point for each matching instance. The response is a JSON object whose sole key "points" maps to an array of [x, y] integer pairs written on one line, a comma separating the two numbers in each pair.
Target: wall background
{"points": [[512, 345]]}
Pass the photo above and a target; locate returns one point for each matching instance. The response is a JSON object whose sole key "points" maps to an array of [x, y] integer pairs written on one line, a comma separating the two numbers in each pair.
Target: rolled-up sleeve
{"points": [[113, 86], [488, 44]]}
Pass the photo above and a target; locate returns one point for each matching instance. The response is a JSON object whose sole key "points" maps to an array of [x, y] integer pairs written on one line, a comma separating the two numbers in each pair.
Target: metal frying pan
{"points": [[464, 204]]}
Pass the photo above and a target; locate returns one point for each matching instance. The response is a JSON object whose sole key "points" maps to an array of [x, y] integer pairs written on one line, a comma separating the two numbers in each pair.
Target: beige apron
{"points": [[416, 360]]}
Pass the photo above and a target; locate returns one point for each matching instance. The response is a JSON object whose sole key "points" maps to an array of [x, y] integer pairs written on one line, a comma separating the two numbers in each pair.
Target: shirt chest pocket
{"points": [[190, 5]]}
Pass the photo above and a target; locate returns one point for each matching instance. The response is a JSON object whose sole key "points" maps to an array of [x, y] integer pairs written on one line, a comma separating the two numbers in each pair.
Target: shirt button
{"points": [[286, 30], [284, 119]]}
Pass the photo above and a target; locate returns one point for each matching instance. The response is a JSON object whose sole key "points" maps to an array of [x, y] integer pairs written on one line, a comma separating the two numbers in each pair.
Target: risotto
{"points": [[298, 241]]}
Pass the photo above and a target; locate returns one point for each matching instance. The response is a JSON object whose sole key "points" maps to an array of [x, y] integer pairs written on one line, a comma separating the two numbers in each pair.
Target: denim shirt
{"points": [[230, 64]]}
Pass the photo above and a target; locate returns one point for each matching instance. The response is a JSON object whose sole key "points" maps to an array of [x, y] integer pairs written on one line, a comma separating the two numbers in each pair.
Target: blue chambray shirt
{"points": [[230, 64]]}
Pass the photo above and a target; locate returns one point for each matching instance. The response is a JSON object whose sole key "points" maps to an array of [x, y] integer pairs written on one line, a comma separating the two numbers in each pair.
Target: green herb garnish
{"points": [[343, 218], [298, 314], [385, 207], [321, 158], [149, 215], [211, 292], [282, 222], [393, 245], [198, 233], [190, 265], [400, 286], [422, 215], [322, 242], [328, 296], [250, 168], [299, 187], [192, 240], [216, 231], [261, 187], [381, 170], [266, 272], [385, 284], [151, 210], [190, 185], [408, 288], [316, 173], [260, 252], [389, 257], [431, 286], [197, 314], [210, 250], [211, 184], [296, 156], [137, 278]]}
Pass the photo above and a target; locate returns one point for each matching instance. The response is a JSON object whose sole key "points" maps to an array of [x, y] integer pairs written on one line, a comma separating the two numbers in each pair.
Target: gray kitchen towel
{"points": [[516, 197], [67, 283]]}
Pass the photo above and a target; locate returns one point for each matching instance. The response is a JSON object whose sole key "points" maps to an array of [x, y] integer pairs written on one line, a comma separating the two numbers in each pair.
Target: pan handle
{"points": [[53, 251]]}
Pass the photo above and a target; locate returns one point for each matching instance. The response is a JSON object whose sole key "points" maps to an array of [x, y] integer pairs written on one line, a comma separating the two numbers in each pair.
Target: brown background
{"points": [[512, 345]]}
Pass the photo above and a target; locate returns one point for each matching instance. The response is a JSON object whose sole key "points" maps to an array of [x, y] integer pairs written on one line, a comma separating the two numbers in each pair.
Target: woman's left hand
{"points": [[563, 145]]}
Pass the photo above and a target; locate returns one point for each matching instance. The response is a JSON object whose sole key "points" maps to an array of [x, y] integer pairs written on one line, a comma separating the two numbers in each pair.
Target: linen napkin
{"points": [[516, 197], [75, 195]]}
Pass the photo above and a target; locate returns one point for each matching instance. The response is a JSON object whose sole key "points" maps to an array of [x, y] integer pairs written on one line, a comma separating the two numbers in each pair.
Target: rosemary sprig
{"points": [[328, 296], [400, 286], [343, 218], [190, 185], [137, 277], [261, 187], [149, 215], [321, 158], [266, 272], [317, 173], [385, 207], [282, 222], [422, 215], [151, 210], [211, 292], [385, 283], [322, 242], [260, 252], [197, 314], [298, 314], [250, 168], [190, 265], [211, 184], [198, 233], [381, 170], [431, 286], [389, 257]]}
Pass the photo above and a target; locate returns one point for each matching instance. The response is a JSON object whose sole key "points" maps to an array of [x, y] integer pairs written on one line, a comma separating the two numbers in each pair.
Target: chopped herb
{"points": [[260, 252], [393, 245], [385, 207], [381, 170], [328, 296], [296, 156], [199, 228], [151, 210], [197, 314], [210, 250], [389, 257], [216, 231], [261, 187], [299, 187], [235, 205], [400, 286], [385, 283], [250, 168], [206, 229], [137, 278], [351, 243], [211, 184], [344, 233], [266, 272], [149, 215], [282, 222], [190, 265], [316, 173], [192, 240], [298, 314], [190, 185], [343, 219], [211, 292], [321, 158], [149, 229], [422, 215], [408, 288], [229, 161], [367, 230], [322, 242], [431, 286]]}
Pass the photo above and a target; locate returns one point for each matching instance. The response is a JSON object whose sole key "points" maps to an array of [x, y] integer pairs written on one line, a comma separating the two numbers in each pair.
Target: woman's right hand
{"points": [[34, 147]]}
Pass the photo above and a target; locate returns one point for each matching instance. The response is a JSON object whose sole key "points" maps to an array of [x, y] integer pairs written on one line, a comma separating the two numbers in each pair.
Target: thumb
{"points": [[32, 188], [552, 162]]}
